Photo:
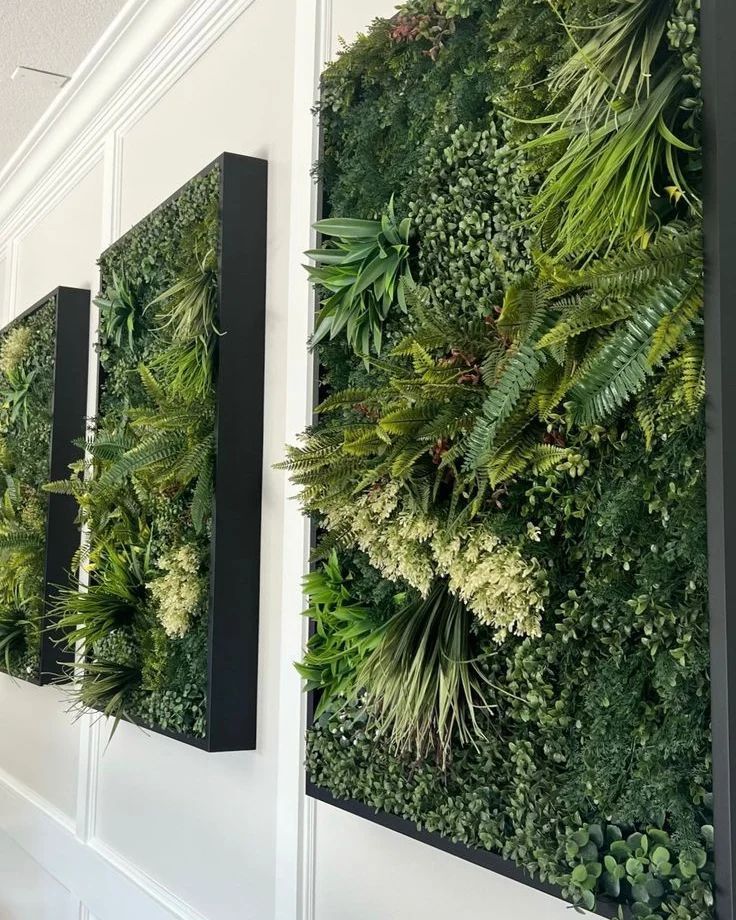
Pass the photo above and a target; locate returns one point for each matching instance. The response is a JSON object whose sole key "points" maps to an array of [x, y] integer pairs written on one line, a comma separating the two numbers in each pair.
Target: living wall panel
{"points": [[43, 358], [507, 471], [170, 619]]}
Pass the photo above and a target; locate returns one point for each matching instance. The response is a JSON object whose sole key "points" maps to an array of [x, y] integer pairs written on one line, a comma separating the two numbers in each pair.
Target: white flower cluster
{"points": [[14, 348], [396, 540], [178, 592], [504, 588]]}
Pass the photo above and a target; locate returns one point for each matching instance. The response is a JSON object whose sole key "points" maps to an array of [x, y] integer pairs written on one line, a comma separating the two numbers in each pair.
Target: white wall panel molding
{"points": [[90, 743], [11, 281], [11, 785], [295, 845], [106, 885]]}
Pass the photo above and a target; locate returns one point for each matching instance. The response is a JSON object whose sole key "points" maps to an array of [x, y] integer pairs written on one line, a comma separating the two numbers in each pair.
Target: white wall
{"points": [[28, 892], [148, 829]]}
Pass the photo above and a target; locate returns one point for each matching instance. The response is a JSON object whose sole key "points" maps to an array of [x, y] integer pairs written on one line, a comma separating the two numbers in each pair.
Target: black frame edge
{"points": [[485, 859], [69, 412], [236, 521], [718, 18]]}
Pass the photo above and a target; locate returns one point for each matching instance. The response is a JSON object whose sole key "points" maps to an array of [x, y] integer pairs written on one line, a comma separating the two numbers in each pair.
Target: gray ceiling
{"points": [[50, 35]]}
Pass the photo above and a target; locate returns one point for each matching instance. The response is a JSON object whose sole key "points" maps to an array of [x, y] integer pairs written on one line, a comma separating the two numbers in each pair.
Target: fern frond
{"points": [[545, 458], [408, 420], [669, 256], [622, 363], [159, 447], [592, 312], [19, 541], [674, 325], [348, 399], [690, 367], [152, 387], [201, 507], [517, 376], [72, 487], [192, 462], [513, 458]]}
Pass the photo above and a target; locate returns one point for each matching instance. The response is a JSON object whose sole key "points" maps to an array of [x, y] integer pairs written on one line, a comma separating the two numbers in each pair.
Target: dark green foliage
{"points": [[145, 491], [26, 386], [642, 869], [471, 198], [385, 103], [606, 714]]}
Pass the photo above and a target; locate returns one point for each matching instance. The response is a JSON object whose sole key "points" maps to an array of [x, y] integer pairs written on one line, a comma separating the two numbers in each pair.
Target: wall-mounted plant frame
{"points": [[718, 21], [232, 591], [68, 316]]}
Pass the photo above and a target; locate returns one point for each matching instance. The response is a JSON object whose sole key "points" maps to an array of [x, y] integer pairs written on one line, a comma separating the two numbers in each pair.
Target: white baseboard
{"points": [[106, 883]]}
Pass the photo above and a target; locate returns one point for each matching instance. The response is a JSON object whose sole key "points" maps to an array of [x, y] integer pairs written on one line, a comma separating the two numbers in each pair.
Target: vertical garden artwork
{"points": [[170, 488], [43, 404], [509, 653]]}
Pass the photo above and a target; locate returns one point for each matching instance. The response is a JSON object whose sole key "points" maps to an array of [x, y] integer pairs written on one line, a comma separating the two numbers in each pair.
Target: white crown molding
{"points": [[132, 69], [72, 89]]}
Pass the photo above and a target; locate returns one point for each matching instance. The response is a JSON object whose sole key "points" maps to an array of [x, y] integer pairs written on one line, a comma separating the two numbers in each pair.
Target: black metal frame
{"points": [[719, 91], [71, 357], [718, 21], [232, 647]]}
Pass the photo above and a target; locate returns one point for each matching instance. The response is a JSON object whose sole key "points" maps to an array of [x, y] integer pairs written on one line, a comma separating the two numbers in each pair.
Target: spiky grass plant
{"points": [[187, 319], [14, 623], [188, 307], [364, 267], [115, 597], [618, 136], [120, 312], [105, 687], [424, 681], [345, 634]]}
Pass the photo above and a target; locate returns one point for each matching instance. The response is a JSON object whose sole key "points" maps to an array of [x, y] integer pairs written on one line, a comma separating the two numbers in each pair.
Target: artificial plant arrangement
{"points": [[146, 487], [43, 380], [509, 593]]}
